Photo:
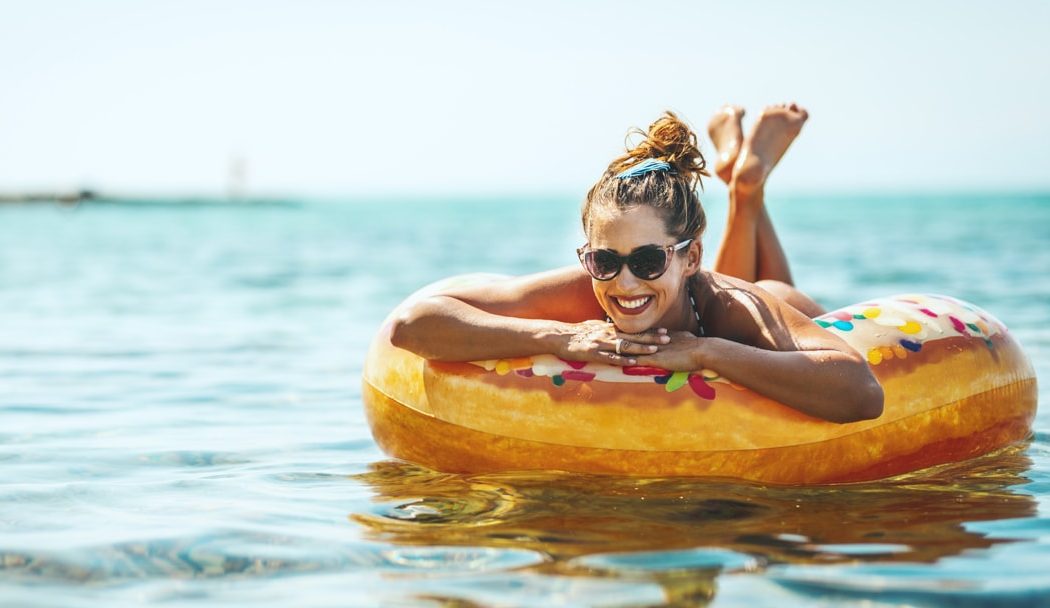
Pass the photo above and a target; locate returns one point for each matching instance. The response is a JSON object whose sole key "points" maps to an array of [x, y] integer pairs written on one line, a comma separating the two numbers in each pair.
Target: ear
{"points": [[695, 253]]}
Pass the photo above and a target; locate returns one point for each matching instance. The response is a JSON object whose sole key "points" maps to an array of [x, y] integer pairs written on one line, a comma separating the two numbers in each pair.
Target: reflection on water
{"points": [[682, 533]]}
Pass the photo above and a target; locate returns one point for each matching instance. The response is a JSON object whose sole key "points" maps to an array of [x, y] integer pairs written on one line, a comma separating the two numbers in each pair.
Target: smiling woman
{"points": [[664, 311], [641, 362]]}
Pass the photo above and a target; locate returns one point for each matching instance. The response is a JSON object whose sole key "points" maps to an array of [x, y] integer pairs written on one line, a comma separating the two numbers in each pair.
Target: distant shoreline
{"points": [[76, 196], [84, 196]]}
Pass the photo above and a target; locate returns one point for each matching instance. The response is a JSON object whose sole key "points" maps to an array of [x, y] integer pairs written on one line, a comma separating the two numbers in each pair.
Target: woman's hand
{"points": [[680, 353], [597, 341]]}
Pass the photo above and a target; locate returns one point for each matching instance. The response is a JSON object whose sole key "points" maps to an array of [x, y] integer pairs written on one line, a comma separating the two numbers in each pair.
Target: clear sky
{"points": [[348, 98]]}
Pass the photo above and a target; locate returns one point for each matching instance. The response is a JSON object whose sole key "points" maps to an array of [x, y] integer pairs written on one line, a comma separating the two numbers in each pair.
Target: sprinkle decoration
{"points": [[883, 330]]}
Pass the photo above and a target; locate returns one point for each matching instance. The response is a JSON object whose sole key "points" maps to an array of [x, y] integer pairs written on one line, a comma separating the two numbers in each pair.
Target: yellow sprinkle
{"points": [[911, 327], [887, 352], [900, 351], [520, 363], [874, 356], [502, 367], [871, 313], [708, 374]]}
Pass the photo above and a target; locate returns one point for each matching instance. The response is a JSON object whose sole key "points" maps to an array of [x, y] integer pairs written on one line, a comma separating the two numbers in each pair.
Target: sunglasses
{"points": [[648, 262]]}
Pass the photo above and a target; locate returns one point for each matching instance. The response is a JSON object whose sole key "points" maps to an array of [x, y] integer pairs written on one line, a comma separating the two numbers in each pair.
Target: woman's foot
{"points": [[763, 148], [727, 135]]}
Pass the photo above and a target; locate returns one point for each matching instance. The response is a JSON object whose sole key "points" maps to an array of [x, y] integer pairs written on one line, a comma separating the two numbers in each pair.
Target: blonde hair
{"points": [[672, 192]]}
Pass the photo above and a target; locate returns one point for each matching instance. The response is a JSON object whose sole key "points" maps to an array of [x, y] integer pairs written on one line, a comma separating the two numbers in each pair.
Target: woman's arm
{"points": [[828, 383], [553, 312], [778, 352]]}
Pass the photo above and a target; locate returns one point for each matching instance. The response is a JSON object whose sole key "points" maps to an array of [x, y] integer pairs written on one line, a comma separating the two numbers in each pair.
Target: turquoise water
{"points": [[180, 421]]}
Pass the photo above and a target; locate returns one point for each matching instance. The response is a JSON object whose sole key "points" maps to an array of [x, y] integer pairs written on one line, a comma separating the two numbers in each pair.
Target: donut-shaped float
{"points": [[956, 384]]}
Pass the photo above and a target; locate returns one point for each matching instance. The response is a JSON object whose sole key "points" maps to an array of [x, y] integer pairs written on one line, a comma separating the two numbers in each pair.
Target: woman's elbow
{"points": [[872, 404], [867, 402], [401, 333], [405, 330]]}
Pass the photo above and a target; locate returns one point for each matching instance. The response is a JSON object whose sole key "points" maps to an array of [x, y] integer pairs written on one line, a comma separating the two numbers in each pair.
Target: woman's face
{"points": [[633, 304]]}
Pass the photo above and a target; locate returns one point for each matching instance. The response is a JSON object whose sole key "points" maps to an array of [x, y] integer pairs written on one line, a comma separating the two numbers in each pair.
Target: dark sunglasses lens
{"points": [[647, 264], [602, 264]]}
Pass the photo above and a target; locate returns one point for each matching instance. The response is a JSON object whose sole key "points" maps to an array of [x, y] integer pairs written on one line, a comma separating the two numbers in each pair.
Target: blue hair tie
{"points": [[648, 165]]}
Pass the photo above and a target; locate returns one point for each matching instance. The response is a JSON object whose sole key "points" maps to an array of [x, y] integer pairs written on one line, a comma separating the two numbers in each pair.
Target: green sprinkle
{"points": [[557, 380], [676, 381]]}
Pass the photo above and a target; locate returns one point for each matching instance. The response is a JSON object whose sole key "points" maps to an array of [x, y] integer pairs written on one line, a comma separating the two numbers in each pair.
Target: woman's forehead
{"points": [[626, 229]]}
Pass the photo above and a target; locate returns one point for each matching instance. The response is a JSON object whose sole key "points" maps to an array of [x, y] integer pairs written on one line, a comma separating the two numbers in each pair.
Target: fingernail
{"points": [[661, 330], [665, 339], [631, 361], [652, 347]]}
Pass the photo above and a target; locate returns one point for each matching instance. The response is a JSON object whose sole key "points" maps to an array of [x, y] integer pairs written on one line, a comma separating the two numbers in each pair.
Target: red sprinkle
{"points": [[527, 373], [958, 325], [928, 312], [578, 376], [644, 370], [573, 364], [701, 388]]}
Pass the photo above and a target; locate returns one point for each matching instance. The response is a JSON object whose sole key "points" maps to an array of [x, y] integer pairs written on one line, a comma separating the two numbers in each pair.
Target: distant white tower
{"points": [[236, 177]]}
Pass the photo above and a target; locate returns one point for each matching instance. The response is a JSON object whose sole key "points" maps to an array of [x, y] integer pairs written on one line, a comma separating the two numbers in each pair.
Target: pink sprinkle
{"points": [[928, 312], [958, 325], [526, 373], [578, 376], [573, 364], [842, 315], [701, 388], [644, 370]]}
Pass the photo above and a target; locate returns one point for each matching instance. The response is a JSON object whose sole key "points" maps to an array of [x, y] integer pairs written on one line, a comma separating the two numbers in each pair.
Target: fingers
{"points": [[653, 336], [619, 360], [633, 348]]}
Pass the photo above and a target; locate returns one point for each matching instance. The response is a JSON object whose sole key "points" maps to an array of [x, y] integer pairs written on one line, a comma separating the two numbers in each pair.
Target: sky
{"points": [[474, 98]]}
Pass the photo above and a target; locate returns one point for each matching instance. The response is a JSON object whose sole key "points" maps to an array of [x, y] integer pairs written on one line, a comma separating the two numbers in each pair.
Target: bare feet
{"points": [[727, 135], [763, 148]]}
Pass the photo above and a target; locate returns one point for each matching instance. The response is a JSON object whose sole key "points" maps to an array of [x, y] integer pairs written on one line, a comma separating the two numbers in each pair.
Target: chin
{"points": [[632, 325]]}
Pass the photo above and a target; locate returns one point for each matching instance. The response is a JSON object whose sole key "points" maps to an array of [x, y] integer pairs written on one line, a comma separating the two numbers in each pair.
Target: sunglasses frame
{"points": [[669, 251]]}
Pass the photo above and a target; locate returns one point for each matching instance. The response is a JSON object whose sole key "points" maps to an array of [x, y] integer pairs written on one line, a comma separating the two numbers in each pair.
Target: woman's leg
{"points": [[750, 248]]}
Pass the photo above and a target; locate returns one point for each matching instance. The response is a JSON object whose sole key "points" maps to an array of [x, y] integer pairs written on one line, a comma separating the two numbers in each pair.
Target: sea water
{"points": [[181, 420]]}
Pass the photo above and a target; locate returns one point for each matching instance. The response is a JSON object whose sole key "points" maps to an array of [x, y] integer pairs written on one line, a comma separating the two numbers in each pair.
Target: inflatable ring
{"points": [[956, 382]]}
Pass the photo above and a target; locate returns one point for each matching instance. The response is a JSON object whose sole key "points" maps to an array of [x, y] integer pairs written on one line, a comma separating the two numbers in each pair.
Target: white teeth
{"points": [[633, 303]]}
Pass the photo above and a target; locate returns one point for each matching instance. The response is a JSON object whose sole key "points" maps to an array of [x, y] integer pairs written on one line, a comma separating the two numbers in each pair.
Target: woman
{"points": [[641, 298]]}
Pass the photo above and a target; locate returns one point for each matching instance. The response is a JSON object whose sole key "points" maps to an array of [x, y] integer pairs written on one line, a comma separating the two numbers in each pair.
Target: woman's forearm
{"points": [[444, 328], [827, 384]]}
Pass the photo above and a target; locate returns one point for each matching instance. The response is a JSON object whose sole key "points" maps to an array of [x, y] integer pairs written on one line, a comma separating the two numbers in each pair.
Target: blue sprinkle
{"points": [[912, 346], [843, 325], [661, 379]]}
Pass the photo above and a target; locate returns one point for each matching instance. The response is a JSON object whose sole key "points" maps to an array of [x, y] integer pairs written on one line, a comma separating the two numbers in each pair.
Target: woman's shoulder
{"points": [[730, 293], [737, 309]]}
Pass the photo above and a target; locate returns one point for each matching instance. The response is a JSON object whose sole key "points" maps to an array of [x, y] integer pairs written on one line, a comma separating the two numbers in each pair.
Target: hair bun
{"points": [[668, 139]]}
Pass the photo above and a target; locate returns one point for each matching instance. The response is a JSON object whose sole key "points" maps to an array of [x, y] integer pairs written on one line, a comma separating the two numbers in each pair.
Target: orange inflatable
{"points": [[956, 384]]}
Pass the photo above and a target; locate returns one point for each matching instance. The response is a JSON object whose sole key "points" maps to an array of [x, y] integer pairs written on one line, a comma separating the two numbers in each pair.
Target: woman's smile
{"points": [[632, 305]]}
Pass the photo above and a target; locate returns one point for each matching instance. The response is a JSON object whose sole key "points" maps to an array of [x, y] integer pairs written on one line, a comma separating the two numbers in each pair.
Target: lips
{"points": [[633, 305]]}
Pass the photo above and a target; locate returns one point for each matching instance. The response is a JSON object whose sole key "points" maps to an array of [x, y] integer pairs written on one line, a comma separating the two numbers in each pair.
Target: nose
{"points": [[626, 281]]}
